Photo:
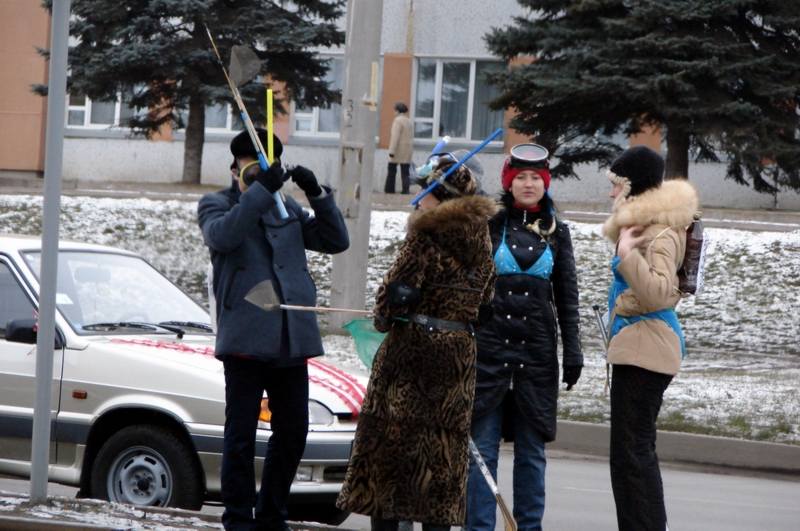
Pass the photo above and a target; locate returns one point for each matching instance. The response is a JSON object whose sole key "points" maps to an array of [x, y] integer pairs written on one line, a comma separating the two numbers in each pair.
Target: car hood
{"points": [[338, 390]]}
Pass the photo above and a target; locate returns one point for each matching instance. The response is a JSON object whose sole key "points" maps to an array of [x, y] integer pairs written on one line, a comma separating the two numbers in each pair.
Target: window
{"points": [[452, 98], [14, 304], [322, 120], [84, 112], [100, 287], [219, 117]]}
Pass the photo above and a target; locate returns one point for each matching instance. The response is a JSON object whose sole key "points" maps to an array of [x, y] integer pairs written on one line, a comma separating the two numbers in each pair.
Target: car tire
{"points": [[147, 465], [325, 513]]}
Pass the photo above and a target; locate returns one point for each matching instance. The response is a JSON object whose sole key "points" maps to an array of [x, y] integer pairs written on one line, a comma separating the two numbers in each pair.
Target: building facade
{"points": [[433, 58]]}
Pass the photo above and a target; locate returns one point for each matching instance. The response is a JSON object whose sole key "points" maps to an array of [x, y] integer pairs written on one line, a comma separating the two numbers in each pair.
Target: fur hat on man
{"points": [[242, 146], [638, 169], [459, 183]]}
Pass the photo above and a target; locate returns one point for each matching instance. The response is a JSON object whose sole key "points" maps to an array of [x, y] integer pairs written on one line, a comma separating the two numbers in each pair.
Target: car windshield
{"points": [[106, 288]]}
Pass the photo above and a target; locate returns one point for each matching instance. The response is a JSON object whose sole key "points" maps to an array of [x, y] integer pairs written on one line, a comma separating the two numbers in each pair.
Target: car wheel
{"points": [[318, 512], [147, 466]]}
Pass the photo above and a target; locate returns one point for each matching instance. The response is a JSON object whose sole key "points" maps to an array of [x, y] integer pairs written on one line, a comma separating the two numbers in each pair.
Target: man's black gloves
{"points": [[401, 294], [271, 178], [571, 375], [305, 180]]}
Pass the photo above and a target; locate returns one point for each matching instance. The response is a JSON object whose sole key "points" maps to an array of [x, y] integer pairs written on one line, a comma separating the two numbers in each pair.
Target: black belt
{"points": [[439, 324]]}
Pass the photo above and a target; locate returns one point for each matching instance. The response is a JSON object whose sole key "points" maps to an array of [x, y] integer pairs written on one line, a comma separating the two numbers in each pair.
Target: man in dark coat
{"points": [[265, 351]]}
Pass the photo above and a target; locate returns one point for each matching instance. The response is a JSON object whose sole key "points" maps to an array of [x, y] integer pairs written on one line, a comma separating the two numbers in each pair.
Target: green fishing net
{"points": [[367, 339]]}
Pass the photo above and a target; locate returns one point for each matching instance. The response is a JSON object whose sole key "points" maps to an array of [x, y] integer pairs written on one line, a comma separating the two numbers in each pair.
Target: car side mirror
{"points": [[24, 331]]}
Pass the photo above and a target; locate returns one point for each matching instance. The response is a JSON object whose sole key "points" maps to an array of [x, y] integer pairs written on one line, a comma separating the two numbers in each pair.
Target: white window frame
{"points": [[86, 108], [228, 122], [87, 114], [435, 121], [314, 114]]}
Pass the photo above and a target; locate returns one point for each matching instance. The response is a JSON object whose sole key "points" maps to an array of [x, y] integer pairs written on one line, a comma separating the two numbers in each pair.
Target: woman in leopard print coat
{"points": [[410, 455]]}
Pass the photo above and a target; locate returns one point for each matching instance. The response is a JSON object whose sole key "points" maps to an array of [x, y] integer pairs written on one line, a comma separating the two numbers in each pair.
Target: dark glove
{"points": [[571, 375], [305, 180], [401, 294], [485, 314], [271, 178]]}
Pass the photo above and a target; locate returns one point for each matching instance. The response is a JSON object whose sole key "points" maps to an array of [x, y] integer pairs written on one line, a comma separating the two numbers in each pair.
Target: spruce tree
{"points": [[158, 52], [720, 78]]}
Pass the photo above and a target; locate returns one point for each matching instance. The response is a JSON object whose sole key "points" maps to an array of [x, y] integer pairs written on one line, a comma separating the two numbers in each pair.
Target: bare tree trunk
{"points": [[677, 165], [193, 145]]}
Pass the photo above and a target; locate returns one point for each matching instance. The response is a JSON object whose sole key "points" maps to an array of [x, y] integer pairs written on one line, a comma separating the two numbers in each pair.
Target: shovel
{"points": [[244, 64], [604, 333], [263, 295], [508, 519]]}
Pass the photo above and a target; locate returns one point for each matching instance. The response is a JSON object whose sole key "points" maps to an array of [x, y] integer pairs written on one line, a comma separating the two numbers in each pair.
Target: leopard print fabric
{"points": [[410, 456]]}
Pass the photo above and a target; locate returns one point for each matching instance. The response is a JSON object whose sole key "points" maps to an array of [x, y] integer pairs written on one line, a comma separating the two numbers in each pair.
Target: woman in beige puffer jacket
{"points": [[648, 225]]}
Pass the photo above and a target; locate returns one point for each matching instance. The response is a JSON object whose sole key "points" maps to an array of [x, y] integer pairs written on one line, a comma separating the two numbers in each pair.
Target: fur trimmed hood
{"points": [[454, 213], [456, 222], [674, 203]]}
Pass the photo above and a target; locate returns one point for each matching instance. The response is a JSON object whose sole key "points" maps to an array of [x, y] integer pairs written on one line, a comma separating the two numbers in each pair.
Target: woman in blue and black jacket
{"points": [[536, 295]]}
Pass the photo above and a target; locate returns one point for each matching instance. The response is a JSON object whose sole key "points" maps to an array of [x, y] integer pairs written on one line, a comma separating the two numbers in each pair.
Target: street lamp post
{"points": [[54, 144]]}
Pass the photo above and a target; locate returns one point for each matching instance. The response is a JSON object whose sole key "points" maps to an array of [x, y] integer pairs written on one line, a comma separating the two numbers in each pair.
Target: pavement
{"points": [[574, 438]]}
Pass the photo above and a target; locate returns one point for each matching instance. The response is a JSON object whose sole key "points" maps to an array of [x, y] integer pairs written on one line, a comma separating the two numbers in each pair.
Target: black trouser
{"points": [[245, 381], [391, 177], [379, 524], [636, 396]]}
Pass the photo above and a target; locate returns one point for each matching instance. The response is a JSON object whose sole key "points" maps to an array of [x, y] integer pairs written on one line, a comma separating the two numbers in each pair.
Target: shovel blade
{"points": [[245, 65], [263, 295]]}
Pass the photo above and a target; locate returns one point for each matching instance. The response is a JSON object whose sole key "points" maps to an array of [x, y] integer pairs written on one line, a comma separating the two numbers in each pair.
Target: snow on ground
{"points": [[743, 355], [64, 511]]}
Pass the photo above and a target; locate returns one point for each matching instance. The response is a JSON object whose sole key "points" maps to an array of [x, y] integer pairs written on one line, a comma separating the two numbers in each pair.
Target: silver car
{"points": [[137, 395]]}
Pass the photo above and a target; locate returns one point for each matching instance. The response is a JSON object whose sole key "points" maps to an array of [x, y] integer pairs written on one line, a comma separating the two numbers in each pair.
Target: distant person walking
{"points": [[648, 226], [400, 150], [409, 459]]}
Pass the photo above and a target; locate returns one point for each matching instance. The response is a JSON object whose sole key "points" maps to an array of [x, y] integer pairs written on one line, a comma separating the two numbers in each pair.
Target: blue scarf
{"points": [[667, 315]]}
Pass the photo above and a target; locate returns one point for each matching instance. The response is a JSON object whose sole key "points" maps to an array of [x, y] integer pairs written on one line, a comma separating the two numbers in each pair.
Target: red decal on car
{"points": [[353, 385], [180, 347], [348, 400]]}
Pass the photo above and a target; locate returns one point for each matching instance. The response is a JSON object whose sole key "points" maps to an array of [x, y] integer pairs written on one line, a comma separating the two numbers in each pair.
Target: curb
{"points": [[77, 514], [705, 450]]}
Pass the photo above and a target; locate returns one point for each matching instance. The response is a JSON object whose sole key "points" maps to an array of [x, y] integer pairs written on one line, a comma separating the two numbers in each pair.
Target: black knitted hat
{"points": [[642, 167], [241, 146]]}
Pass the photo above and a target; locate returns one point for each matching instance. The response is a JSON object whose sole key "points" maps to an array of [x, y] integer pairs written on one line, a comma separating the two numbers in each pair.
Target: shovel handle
{"points": [[323, 309], [509, 524]]}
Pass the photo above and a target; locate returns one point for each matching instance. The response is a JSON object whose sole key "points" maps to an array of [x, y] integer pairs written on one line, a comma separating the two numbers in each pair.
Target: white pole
{"points": [[54, 145]]}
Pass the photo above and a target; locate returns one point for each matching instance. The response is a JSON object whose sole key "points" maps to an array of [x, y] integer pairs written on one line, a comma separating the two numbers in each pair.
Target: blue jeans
{"points": [[529, 468]]}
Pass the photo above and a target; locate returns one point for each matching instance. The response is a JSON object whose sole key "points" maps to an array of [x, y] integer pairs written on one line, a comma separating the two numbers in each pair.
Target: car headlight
{"points": [[319, 414]]}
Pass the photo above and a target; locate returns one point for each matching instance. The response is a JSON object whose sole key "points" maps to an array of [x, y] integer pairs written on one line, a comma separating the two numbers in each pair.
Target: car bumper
{"points": [[321, 471]]}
